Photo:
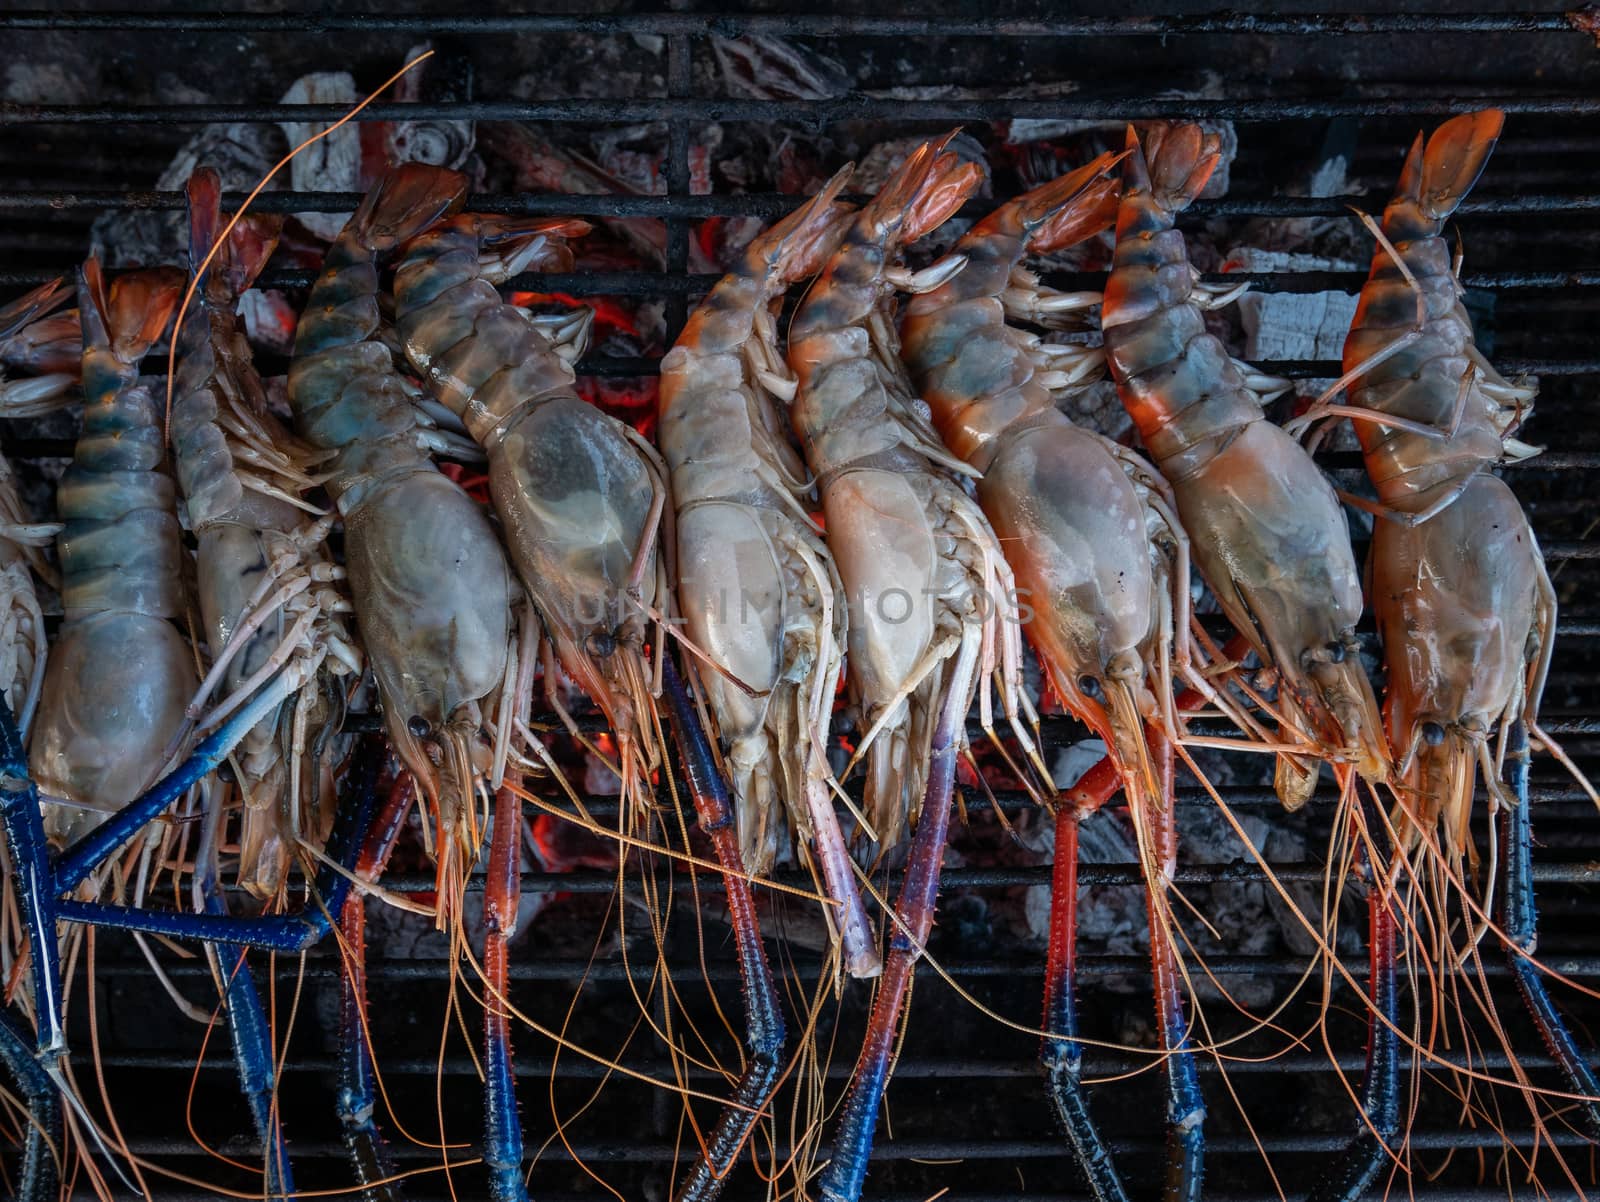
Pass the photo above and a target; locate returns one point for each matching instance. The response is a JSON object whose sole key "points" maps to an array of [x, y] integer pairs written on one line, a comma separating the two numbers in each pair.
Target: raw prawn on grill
{"points": [[923, 573], [121, 673], [268, 598], [1265, 527], [581, 497], [580, 494], [1465, 607], [111, 712], [1102, 564], [267, 586], [47, 345], [760, 597], [113, 698], [432, 595], [428, 577]]}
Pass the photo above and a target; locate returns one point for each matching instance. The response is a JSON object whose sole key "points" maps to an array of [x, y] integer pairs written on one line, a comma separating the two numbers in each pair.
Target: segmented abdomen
{"points": [[342, 384], [970, 367], [200, 450], [486, 360], [1176, 380], [1421, 382], [120, 549]]}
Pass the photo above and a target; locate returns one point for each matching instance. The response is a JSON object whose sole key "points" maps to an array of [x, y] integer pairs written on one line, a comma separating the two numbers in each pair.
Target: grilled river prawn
{"points": [[1465, 607], [1114, 701], [31, 337], [923, 574], [758, 590], [1099, 556], [265, 579], [581, 498], [121, 673], [580, 494], [428, 577], [1265, 526]]}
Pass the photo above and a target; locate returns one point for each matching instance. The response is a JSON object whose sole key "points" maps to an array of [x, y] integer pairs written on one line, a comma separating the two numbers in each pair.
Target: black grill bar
{"points": [[639, 1151], [671, 283], [721, 972], [910, 1068], [813, 113], [748, 204], [594, 881], [801, 25]]}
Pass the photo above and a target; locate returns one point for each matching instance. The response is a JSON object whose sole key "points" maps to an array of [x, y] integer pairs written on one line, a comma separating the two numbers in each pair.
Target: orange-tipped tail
{"points": [[128, 315], [33, 305], [1171, 168], [1436, 178], [924, 192], [406, 201], [1068, 209], [250, 243], [508, 246], [798, 245]]}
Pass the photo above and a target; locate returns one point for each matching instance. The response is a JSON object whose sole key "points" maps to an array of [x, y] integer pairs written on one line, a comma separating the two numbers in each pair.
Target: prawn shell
{"points": [[113, 698], [973, 374], [1455, 599], [879, 532], [1073, 525], [1270, 537], [204, 460], [737, 611], [574, 495], [236, 559], [134, 563], [430, 587]]}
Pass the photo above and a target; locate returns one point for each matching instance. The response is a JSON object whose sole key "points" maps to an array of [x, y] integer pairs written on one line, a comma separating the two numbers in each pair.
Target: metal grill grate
{"points": [[966, 1107]]}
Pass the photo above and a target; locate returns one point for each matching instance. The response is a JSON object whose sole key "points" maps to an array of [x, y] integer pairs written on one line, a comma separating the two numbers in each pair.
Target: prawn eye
{"points": [[1089, 685], [1432, 734], [601, 644], [419, 726], [1336, 652]]}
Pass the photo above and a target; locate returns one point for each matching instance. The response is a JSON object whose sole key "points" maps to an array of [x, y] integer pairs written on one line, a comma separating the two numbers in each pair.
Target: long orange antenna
{"points": [[197, 273]]}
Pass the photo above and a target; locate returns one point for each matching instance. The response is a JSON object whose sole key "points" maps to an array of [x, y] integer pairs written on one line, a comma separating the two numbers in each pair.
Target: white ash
{"points": [[439, 143], [633, 154], [1073, 761], [770, 68], [331, 164], [598, 779], [1333, 238], [241, 153], [650, 319], [44, 83], [1293, 325]]}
